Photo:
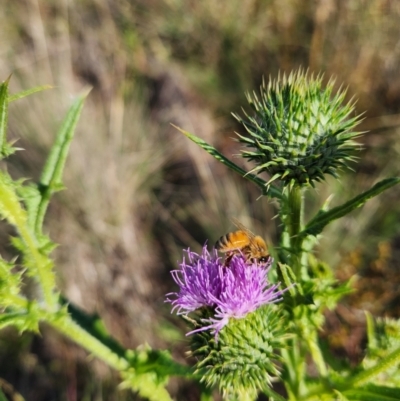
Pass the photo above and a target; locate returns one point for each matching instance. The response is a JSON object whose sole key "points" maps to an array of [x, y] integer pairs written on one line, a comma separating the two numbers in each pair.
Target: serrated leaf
{"points": [[383, 365], [323, 218], [37, 263], [31, 197], [28, 92], [287, 276], [373, 393], [9, 283], [268, 190], [147, 385], [21, 320], [10, 207], [51, 178]]}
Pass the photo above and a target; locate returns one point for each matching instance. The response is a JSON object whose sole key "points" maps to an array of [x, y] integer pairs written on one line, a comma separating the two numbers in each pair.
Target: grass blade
{"points": [[317, 224], [268, 190]]}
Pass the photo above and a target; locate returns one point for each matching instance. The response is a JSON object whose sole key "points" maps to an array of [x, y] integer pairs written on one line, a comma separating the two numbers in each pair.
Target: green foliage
{"points": [[373, 393], [24, 206], [149, 373], [299, 133], [324, 217], [271, 190], [10, 283], [5, 148]]}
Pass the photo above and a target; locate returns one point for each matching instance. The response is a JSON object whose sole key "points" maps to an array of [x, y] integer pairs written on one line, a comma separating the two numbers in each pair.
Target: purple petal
{"points": [[232, 291]]}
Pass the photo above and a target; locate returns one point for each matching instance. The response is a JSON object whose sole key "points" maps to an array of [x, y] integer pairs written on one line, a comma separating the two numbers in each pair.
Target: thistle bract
{"points": [[245, 358], [300, 130]]}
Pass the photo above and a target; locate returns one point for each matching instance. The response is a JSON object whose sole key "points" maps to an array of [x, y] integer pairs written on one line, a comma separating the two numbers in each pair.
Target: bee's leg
{"points": [[228, 259]]}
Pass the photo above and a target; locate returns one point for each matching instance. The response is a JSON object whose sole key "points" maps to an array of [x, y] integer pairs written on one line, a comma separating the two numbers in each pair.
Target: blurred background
{"points": [[138, 191]]}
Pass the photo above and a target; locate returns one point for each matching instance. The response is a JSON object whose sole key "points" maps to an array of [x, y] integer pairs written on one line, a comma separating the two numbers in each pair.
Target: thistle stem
{"points": [[295, 220], [294, 358], [77, 334]]}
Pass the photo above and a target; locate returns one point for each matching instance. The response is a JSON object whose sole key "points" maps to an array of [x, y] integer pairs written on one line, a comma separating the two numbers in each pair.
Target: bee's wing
{"points": [[239, 225]]}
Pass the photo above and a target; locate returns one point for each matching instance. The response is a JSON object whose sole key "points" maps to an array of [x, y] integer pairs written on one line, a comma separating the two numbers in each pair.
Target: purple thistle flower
{"points": [[232, 291]]}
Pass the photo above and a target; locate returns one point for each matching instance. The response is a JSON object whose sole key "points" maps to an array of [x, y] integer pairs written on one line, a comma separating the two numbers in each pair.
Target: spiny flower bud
{"points": [[244, 359], [300, 131]]}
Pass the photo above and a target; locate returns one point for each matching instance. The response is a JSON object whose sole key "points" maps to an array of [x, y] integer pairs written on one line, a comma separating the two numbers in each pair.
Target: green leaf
{"points": [[287, 276], [31, 197], [4, 147], [10, 207], [385, 364], [10, 282], [373, 393], [147, 385], [37, 263], [51, 178], [268, 190], [28, 92], [323, 218], [21, 320], [383, 345]]}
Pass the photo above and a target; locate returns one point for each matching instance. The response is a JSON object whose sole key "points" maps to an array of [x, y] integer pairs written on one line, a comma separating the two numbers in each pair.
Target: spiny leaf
{"points": [[147, 385], [10, 207], [323, 218], [31, 197], [268, 190], [37, 263], [373, 393], [21, 320], [51, 178], [10, 282], [384, 365]]}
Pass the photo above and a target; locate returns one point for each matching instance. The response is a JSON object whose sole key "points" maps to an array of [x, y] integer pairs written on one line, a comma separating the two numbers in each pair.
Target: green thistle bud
{"points": [[243, 359], [300, 131]]}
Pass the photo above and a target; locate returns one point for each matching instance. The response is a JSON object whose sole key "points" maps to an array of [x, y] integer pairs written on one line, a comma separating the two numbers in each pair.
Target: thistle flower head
{"points": [[238, 326], [300, 130], [230, 292]]}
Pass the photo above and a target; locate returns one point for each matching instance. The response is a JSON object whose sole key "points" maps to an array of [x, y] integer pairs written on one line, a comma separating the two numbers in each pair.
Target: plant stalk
{"points": [[74, 332], [295, 223]]}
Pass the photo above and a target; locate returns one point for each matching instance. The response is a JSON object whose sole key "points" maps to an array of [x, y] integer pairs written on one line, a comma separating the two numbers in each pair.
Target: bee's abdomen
{"points": [[231, 241], [222, 243]]}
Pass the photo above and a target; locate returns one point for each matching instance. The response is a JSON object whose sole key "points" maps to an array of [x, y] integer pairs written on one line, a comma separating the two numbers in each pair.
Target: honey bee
{"points": [[243, 241]]}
